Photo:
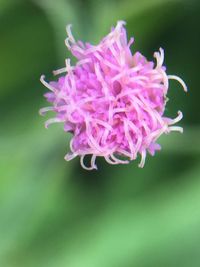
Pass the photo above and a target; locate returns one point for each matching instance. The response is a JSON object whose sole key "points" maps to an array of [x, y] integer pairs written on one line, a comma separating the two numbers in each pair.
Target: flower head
{"points": [[112, 101]]}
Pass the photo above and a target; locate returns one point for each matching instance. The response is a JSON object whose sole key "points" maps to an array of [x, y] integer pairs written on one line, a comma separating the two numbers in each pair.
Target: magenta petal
{"points": [[112, 101]]}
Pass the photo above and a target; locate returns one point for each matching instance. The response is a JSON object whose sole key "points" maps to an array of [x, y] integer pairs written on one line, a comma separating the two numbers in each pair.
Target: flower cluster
{"points": [[112, 101]]}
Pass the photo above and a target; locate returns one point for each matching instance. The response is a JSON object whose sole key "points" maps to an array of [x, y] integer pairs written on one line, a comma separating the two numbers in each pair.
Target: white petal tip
{"points": [[174, 77], [42, 77], [41, 113], [141, 165]]}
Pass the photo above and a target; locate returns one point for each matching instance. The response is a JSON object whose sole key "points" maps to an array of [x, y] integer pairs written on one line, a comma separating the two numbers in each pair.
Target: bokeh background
{"points": [[52, 212]]}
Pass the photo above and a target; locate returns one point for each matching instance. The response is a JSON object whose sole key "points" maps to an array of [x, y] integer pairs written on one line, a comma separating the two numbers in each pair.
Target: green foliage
{"points": [[52, 212]]}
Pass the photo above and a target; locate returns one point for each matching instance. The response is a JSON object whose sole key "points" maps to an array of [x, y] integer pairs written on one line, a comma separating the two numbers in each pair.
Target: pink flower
{"points": [[111, 101]]}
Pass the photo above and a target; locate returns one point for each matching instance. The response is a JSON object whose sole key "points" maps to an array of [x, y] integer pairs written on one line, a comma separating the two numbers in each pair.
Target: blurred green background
{"points": [[52, 212]]}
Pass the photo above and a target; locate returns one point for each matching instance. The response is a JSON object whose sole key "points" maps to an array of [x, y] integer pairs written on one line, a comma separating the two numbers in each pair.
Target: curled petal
{"points": [[174, 77], [177, 119], [143, 157], [92, 167], [51, 121], [50, 87], [43, 111], [119, 161], [111, 101], [70, 156], [176, 129]]}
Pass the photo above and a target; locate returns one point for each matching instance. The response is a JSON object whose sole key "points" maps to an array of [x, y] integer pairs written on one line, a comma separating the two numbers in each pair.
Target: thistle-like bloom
{"points": [[112, 101]]}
